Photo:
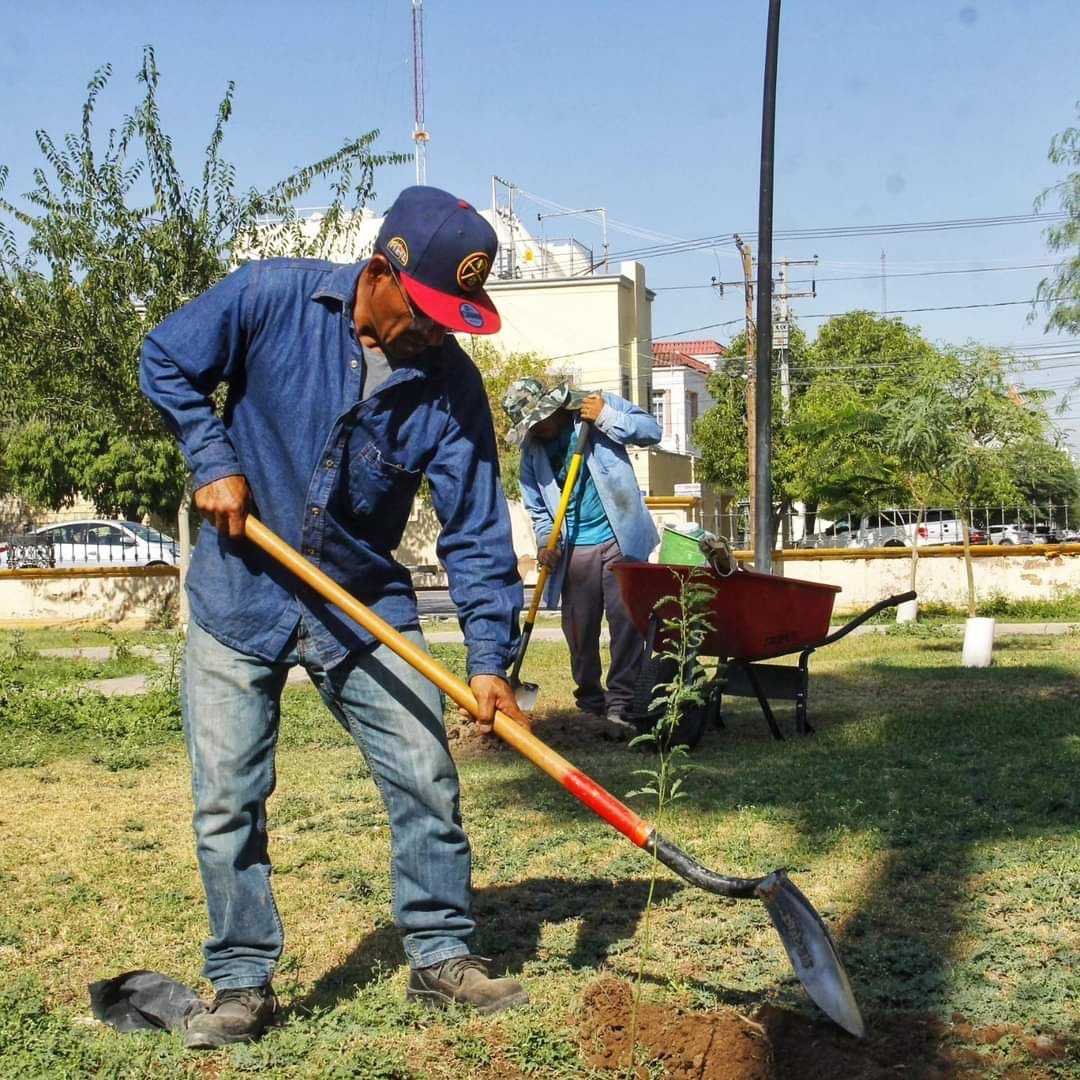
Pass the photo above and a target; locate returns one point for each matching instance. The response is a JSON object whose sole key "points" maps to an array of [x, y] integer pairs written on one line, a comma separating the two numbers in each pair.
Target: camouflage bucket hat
{"points": [[527, 402]]}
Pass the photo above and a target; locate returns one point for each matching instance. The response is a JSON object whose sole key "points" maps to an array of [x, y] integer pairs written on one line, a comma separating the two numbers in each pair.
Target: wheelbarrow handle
{"points": [[869, 613], [552, 545]]}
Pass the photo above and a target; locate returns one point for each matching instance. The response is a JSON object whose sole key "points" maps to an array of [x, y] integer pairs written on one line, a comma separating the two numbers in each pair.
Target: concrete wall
{"points": [[60, 596], [941, 578]]}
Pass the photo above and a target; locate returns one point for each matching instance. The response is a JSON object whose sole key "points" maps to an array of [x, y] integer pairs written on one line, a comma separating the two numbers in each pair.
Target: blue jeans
{"points": [[231, 706]]}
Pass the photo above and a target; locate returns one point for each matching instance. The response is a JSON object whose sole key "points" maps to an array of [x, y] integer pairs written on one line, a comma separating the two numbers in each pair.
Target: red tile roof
{"points": [[692, 348], [680, 359]]}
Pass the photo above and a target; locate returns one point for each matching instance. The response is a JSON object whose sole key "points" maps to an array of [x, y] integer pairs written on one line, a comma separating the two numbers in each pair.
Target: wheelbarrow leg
{"points": [[715, 714], [763, 701], [802, 725]]}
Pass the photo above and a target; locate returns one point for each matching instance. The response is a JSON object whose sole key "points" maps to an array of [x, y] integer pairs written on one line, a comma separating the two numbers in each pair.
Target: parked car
{"points": [[1044, 534], [889, 528], [106, 543], [1010, 534], [941, 527], [893, 528]]}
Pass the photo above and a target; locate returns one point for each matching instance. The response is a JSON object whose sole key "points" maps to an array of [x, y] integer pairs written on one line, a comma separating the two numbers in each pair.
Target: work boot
{"points": [[617, 727], [463, 980], [238, 1015]]}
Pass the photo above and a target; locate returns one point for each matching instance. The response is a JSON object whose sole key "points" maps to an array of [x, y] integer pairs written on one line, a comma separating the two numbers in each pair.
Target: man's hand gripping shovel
{"points": [[804, 935], [524, 692]]}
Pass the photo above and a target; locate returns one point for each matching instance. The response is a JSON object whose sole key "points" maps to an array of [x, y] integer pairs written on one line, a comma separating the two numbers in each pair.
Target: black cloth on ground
{"points": [[143, 1001]]}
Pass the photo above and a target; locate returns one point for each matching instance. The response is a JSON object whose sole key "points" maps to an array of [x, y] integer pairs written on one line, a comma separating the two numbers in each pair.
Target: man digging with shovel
{"points": [[605, 521], [345, 390]]}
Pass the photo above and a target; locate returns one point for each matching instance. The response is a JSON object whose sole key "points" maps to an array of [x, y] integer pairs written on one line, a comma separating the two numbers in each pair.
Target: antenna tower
{"points": [[420, 135]]}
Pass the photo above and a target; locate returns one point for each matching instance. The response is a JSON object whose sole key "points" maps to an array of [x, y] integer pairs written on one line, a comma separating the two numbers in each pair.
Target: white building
{"points": [[680, 389], [559, 298]]}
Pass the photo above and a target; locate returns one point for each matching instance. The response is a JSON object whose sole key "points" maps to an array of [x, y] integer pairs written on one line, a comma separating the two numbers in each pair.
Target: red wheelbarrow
{"points": [[752, 617]]}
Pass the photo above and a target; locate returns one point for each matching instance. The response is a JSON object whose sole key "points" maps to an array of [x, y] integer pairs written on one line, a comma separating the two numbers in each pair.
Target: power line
{"points": [[875, 277], [915, 310], [839, 231]]}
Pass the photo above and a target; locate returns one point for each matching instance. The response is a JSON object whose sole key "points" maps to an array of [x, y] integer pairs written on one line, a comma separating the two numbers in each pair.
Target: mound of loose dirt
{"points": [[777, 1044], [715, 1044], [562, 730]]}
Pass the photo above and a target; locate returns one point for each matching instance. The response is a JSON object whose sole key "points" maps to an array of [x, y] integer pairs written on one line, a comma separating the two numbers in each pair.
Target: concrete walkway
{"points": [[131, 685]]}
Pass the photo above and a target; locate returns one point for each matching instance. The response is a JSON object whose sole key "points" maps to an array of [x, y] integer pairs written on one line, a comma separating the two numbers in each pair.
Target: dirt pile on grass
{"points": [[716, 1045], [776, 1044]]}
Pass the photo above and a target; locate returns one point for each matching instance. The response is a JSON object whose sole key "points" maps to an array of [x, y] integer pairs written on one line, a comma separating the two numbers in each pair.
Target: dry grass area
{"points": [[932, 820]]}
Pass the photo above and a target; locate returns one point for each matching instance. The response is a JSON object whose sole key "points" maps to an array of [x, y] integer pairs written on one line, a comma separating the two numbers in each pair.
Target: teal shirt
{"points": [[586, 521]]}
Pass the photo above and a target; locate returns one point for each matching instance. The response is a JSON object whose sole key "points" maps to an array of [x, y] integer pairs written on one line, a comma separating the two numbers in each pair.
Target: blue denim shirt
{"points": [[620, 424], [334, 476]]}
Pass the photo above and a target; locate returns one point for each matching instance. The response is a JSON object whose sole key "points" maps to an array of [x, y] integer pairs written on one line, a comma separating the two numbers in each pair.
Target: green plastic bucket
{"points": [[679, 549]]}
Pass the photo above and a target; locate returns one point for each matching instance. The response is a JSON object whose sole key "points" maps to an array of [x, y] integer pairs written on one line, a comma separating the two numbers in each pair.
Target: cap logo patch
{"points": [[397, 247], [473, 270], [471, 314]]}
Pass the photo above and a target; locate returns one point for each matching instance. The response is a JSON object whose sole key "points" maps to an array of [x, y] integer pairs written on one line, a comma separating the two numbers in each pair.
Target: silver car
{"points": [[105, 543], [888, 528]]}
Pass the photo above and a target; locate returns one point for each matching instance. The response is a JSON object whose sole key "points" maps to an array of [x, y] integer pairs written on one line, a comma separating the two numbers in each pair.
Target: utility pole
{"points": [[751, 381], [782, 324], [420, 135], [781, 342], [884, 297]]}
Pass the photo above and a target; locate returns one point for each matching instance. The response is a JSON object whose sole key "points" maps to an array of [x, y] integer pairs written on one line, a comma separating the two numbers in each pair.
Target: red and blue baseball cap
{"points": [[442, 250]]}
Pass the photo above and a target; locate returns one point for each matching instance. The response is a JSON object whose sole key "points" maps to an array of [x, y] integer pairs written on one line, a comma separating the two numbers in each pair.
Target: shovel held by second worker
{"points": [[804, 936], [526, 693]]}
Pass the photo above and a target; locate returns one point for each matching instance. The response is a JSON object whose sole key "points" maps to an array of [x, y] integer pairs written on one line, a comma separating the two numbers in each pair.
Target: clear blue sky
{"points": [[887, 112]]}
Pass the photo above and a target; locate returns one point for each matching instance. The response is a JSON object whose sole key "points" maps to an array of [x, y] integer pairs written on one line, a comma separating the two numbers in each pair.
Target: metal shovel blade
{"points": [[811, 951], [525, 694]]}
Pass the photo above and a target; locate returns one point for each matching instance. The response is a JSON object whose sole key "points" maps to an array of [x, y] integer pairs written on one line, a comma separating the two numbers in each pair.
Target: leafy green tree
{"points": [[858, 362], [1061, 292], [820, 451], [721, 432], [958, 421], [499, 370], [1043, 473], [116, 241]]}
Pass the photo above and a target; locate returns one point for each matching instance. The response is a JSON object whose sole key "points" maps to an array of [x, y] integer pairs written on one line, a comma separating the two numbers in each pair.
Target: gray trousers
{"points": [[590, 591]]}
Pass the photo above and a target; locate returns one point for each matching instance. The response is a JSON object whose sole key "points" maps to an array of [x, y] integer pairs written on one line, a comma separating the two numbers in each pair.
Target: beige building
{"points": [[593, 323], [596, 331], [558, 298]]}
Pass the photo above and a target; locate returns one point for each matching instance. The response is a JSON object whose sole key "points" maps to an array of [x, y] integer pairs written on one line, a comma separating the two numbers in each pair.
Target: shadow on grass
{"points": [[939, 775], [510, 919]]}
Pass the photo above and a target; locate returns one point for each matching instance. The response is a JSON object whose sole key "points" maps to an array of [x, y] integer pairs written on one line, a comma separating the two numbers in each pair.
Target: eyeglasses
{"points": [[421, 324]]}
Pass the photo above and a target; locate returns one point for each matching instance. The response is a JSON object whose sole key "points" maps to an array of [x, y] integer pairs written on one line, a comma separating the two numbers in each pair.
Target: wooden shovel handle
{"points": [[552, 544], [614, 812]]}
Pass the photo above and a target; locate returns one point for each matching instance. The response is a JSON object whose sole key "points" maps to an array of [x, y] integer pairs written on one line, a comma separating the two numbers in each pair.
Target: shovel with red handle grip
{"points": [[805, 937]]}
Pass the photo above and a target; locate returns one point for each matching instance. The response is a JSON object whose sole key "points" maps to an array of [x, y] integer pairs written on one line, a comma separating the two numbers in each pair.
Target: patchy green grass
{"points": [[89, 636], [1062, 608], [931, 819]]}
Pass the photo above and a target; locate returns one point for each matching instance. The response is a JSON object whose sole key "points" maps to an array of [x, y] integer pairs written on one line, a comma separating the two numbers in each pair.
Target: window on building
{"points": [[659, 409], [625, 385], [691, 410]]}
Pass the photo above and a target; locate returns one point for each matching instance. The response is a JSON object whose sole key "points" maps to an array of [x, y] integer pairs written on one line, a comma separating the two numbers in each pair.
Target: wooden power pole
{"points": [[751, 380]]}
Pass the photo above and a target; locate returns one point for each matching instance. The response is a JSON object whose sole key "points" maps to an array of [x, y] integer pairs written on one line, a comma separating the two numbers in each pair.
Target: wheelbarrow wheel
{"points": [[656, 670]]}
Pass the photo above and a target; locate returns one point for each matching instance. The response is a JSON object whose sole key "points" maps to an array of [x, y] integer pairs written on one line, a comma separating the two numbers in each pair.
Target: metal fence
{"points": [[86, 544], [1037, 523]]}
